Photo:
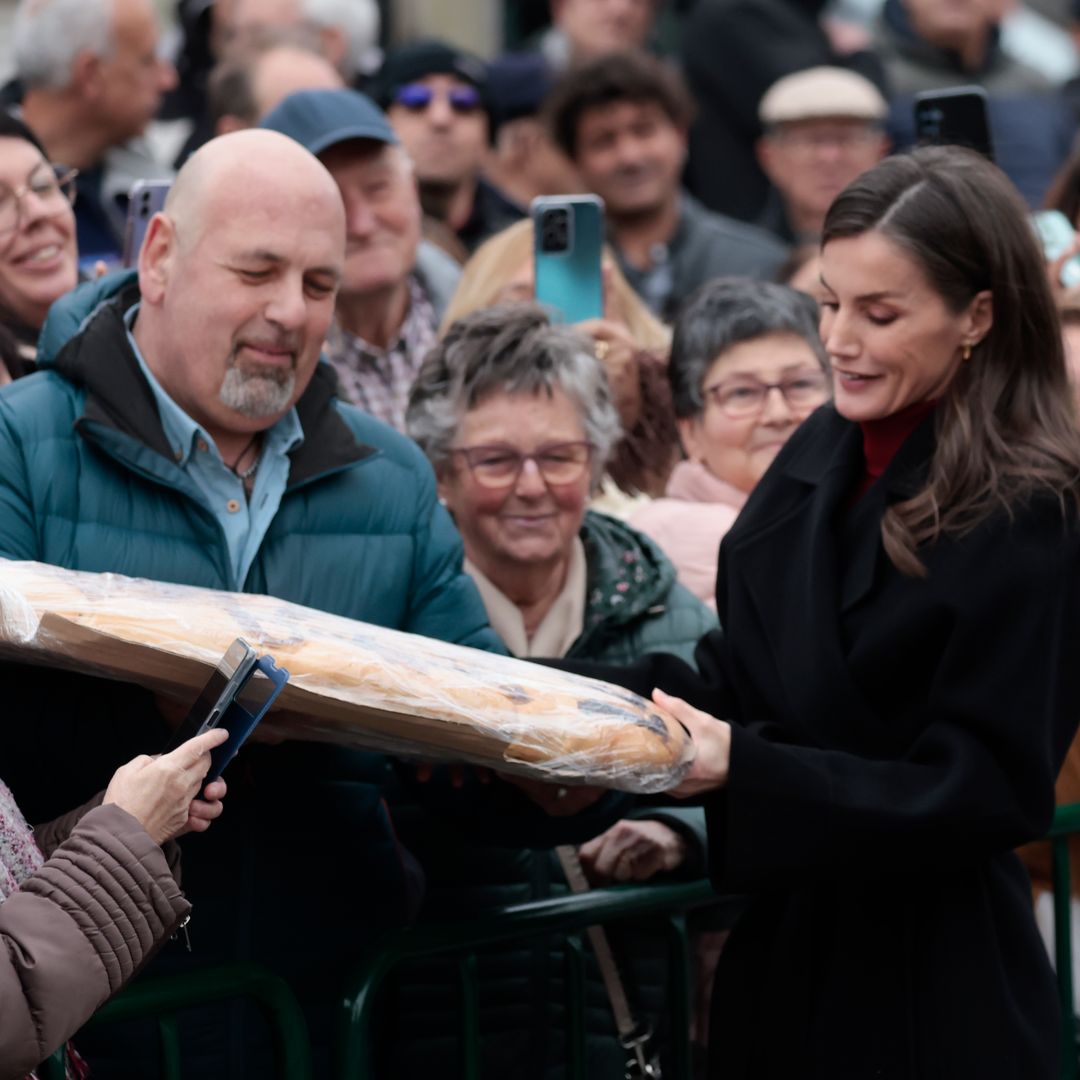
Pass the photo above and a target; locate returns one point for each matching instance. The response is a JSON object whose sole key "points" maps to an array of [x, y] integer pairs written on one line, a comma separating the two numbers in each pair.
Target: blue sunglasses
{"points": [[417, 96]]}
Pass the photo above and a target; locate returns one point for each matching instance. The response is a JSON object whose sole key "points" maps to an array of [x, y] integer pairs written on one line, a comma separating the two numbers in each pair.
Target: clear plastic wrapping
{"points": [[351, 683]]}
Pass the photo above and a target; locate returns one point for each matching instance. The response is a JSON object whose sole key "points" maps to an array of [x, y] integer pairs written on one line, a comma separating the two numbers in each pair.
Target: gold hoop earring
{"points": [[966, 353]]}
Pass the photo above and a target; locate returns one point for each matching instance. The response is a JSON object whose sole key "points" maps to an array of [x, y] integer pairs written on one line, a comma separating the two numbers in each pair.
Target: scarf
{"points": [[19, 855], [691, 481]]}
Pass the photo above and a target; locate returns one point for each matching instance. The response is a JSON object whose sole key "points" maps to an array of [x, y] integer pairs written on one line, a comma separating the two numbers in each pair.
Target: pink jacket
{"points": [[689, 522]]}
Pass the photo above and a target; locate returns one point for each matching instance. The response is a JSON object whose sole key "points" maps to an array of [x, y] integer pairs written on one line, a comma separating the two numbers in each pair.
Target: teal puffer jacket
{"points": [[359, 532]]}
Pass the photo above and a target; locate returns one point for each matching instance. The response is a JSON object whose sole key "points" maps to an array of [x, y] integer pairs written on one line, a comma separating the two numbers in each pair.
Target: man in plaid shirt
{"points": [[396, 285]]}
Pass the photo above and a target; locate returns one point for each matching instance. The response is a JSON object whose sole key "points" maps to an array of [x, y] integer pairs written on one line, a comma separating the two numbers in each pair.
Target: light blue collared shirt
{"points": [[244, 522]]}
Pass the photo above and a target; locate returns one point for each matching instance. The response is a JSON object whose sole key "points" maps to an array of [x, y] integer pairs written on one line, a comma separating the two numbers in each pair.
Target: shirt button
{"points": [[201, 444], [232, 506]]}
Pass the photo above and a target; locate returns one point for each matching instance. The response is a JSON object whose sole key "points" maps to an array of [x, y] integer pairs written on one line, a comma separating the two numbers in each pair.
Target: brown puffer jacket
{"points": [[79, 928]]}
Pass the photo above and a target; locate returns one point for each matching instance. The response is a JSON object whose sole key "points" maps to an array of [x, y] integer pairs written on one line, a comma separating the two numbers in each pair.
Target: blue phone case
{"points": [[569, 282], [249, 705]]}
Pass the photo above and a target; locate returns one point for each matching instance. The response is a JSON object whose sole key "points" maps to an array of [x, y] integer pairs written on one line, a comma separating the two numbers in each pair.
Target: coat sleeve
{"points": [[77, 930], [18, 535], [51, 835], [705, 683], [977, 779]]}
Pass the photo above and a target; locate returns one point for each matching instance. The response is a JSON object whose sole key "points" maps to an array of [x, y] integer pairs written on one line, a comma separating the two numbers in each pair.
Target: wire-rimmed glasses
{"points": [[500, 466], [52, 185]]}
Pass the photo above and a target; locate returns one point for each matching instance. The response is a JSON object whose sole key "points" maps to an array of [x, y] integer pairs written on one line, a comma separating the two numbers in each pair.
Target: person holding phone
{"points": [[86, 899], [881, 720]]}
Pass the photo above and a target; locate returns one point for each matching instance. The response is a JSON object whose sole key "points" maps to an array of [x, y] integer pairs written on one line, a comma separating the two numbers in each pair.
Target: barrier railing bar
{"points": [[497, 926], [173, 993], [680, 975], [169, 1042]]}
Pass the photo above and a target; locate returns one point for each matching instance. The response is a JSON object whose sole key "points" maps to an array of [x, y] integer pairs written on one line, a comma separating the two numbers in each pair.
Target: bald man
{"points": [[246, 86], [188, 433]]}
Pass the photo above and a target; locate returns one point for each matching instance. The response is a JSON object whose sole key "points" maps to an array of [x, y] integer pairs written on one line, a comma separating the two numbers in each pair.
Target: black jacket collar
{"points": [[840, 447], [100, 360], [810, 488]]}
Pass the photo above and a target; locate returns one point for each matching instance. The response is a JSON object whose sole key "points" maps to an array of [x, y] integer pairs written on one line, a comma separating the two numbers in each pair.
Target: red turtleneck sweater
{"points": [[882, 438]]}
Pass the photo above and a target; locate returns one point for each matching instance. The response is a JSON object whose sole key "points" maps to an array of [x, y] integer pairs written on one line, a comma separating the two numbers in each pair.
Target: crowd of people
{"points": [[810, 480]]}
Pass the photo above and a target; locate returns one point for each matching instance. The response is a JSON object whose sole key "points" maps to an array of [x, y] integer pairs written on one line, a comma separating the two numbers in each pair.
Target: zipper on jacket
{"points": [[183, 929]]}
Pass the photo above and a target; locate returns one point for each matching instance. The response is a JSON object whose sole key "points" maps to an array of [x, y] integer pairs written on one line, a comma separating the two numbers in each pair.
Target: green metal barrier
{"points": [[1066, 823], [523, 921], [165, 996]]}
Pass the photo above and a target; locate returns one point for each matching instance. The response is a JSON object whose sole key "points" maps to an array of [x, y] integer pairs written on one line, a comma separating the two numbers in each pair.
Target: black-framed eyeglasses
{"points": [[52, 185], [500, 466], [418, 96], [741, 396]]}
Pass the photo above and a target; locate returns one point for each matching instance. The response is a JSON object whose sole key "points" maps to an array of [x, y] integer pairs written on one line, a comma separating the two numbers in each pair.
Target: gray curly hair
{"points": [[516, 349]]}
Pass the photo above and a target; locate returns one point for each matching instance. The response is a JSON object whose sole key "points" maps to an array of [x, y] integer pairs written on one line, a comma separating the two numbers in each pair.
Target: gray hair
{"points": [[727, 312], [359, 21], [517, 350], [49, 34]]}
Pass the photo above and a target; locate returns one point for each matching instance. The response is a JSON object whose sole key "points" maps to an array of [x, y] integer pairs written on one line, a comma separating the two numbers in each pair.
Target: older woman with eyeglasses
{"points": [[38, 255], [516, 416], [747, 367]]}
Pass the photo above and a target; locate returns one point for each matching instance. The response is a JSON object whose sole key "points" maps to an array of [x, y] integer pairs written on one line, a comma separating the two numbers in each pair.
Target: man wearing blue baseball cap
{"points": [[396, 285]]}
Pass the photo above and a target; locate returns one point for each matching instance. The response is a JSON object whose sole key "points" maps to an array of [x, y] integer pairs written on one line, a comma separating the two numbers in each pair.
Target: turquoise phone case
{"points": [[569, 283]]}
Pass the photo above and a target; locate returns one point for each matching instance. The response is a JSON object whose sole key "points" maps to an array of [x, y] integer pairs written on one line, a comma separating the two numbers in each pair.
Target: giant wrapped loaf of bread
{"points": [[351, 683]]}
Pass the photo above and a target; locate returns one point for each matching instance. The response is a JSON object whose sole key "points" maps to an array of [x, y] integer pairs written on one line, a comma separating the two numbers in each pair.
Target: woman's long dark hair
{"points": [[1006, 426]]}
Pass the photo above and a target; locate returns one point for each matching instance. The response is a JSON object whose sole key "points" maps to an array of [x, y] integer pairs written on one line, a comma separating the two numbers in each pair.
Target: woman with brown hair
{"points": [[38, 257], [630, 342], [882, 719]]}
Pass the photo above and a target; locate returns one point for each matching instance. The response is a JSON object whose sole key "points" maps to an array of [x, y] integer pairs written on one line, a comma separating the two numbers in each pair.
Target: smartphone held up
{"points": [[237, 696], [959, 116], [146, 198], [568, 241]]}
